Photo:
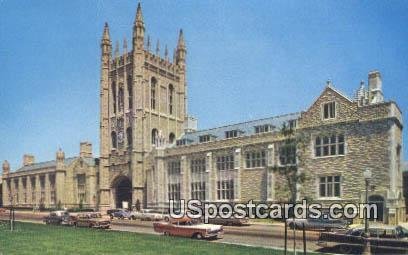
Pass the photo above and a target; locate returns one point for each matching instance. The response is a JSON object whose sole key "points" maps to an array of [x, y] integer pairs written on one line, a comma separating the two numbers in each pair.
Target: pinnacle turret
{"points": [[139, 15], [105, 36], [181, 44]]}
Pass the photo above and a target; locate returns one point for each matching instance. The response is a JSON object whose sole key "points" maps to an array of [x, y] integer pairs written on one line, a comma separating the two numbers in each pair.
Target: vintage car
{"points": [[383, 240], [121, 214], [56, 217], [148, 215], [317, 224], [110, 212], [186, 227], [232, 221], [91, 220]]}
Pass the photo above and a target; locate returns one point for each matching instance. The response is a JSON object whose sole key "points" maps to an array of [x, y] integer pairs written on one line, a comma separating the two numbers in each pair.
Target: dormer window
{"points": [[329, 110], [231, 134], [204, 138], [263, 128]]}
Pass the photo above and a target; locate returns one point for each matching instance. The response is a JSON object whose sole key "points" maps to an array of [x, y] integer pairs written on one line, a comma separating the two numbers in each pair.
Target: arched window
{"points": [[114, 96], [121, 102], [153, 83], [172, 138], [155, 135], [129, 136], [130, 91], [114, 140], [171, 98]]}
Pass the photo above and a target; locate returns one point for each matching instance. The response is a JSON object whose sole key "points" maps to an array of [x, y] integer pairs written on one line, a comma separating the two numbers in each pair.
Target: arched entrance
{"points": [[123, 191], [379, 201]]}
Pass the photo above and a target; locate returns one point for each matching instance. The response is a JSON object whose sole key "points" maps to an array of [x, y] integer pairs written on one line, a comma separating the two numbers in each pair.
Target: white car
{"points": [[148, 215]]}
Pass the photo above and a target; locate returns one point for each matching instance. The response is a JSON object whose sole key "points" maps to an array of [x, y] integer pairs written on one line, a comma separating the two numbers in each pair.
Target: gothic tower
{"points": [[143, 105]]}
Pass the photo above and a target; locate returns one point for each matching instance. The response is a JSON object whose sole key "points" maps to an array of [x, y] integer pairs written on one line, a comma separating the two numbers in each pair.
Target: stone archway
{"points": [[122, 191], [379, 201]]}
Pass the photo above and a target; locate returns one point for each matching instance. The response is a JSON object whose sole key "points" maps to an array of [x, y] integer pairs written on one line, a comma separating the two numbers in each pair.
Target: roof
{"points": [[244, 128], [53, 163]]}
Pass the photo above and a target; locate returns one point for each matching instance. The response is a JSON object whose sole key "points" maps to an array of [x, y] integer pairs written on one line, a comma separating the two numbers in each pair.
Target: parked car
{"points": [[383, 240], [185, 227], [149, 215], [230, 221], [110, 212], [318, 224], [55, 217], [121, 214], [91, 220]]}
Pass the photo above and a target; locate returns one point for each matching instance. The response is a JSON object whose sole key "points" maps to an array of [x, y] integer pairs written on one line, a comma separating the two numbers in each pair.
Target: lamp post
{"points": [[367, 178]]}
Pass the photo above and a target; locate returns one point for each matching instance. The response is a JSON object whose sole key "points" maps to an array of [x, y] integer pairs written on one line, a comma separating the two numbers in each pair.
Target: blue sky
{"points": [[246, 60]]}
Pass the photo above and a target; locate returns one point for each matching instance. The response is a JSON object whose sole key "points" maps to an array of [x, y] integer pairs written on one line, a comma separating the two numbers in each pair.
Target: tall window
{"points": [[81, 182], [287, 154], [33, 191], [155, 135], [42, 189], [225, 183], [52, 189], [130, 91], [329, 110], [121, 100], [225, 162], [113, 88], [172, 138], [171, 98], [198, 179], [329, 145], [153, 83], [255, 159], [25, 190], [114, 140], [329, 186], [129, 136], [173, 172]]}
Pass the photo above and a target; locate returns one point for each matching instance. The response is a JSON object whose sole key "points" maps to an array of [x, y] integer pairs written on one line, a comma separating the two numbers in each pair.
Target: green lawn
{"points": [[42, 239]]}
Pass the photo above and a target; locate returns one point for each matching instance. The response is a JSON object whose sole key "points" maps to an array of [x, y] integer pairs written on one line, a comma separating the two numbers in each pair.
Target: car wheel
{"points": [[166, 219], [133, 217], [198, 236], [345, 249], [166, 233], [91, 225], [291, 226], [75, 225]]}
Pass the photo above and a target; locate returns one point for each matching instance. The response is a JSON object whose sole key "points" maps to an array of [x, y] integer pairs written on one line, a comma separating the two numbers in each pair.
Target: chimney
{"points": [[85, 150], [28, 160], [375, 87]]}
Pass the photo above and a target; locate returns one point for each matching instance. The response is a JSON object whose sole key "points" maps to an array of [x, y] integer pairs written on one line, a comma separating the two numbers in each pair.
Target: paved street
{"points": [[264, 235]]}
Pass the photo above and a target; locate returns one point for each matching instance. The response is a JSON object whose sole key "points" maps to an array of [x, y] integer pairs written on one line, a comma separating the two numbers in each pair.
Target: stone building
{"points": [[63, 182], [151, 152]]}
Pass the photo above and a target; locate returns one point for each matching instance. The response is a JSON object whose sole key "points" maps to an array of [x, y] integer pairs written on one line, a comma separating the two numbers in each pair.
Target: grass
{"points": [[41, 239]]}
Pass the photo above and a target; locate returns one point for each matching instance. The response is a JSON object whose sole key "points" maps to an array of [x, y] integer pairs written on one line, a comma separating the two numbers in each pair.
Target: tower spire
{"points": [[148, 43], [105, 35], [139, 15], [117, 49], [138, 29], [124, 45], [181, 44], [158, 47], [166, 53], [181, 50]]}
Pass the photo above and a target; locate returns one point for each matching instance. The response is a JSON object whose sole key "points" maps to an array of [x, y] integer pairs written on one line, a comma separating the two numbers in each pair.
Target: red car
{"points": [[186, 227]]}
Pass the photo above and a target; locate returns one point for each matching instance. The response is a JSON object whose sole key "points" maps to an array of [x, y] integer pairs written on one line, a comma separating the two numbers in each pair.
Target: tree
{"points": [[292, 146]]}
